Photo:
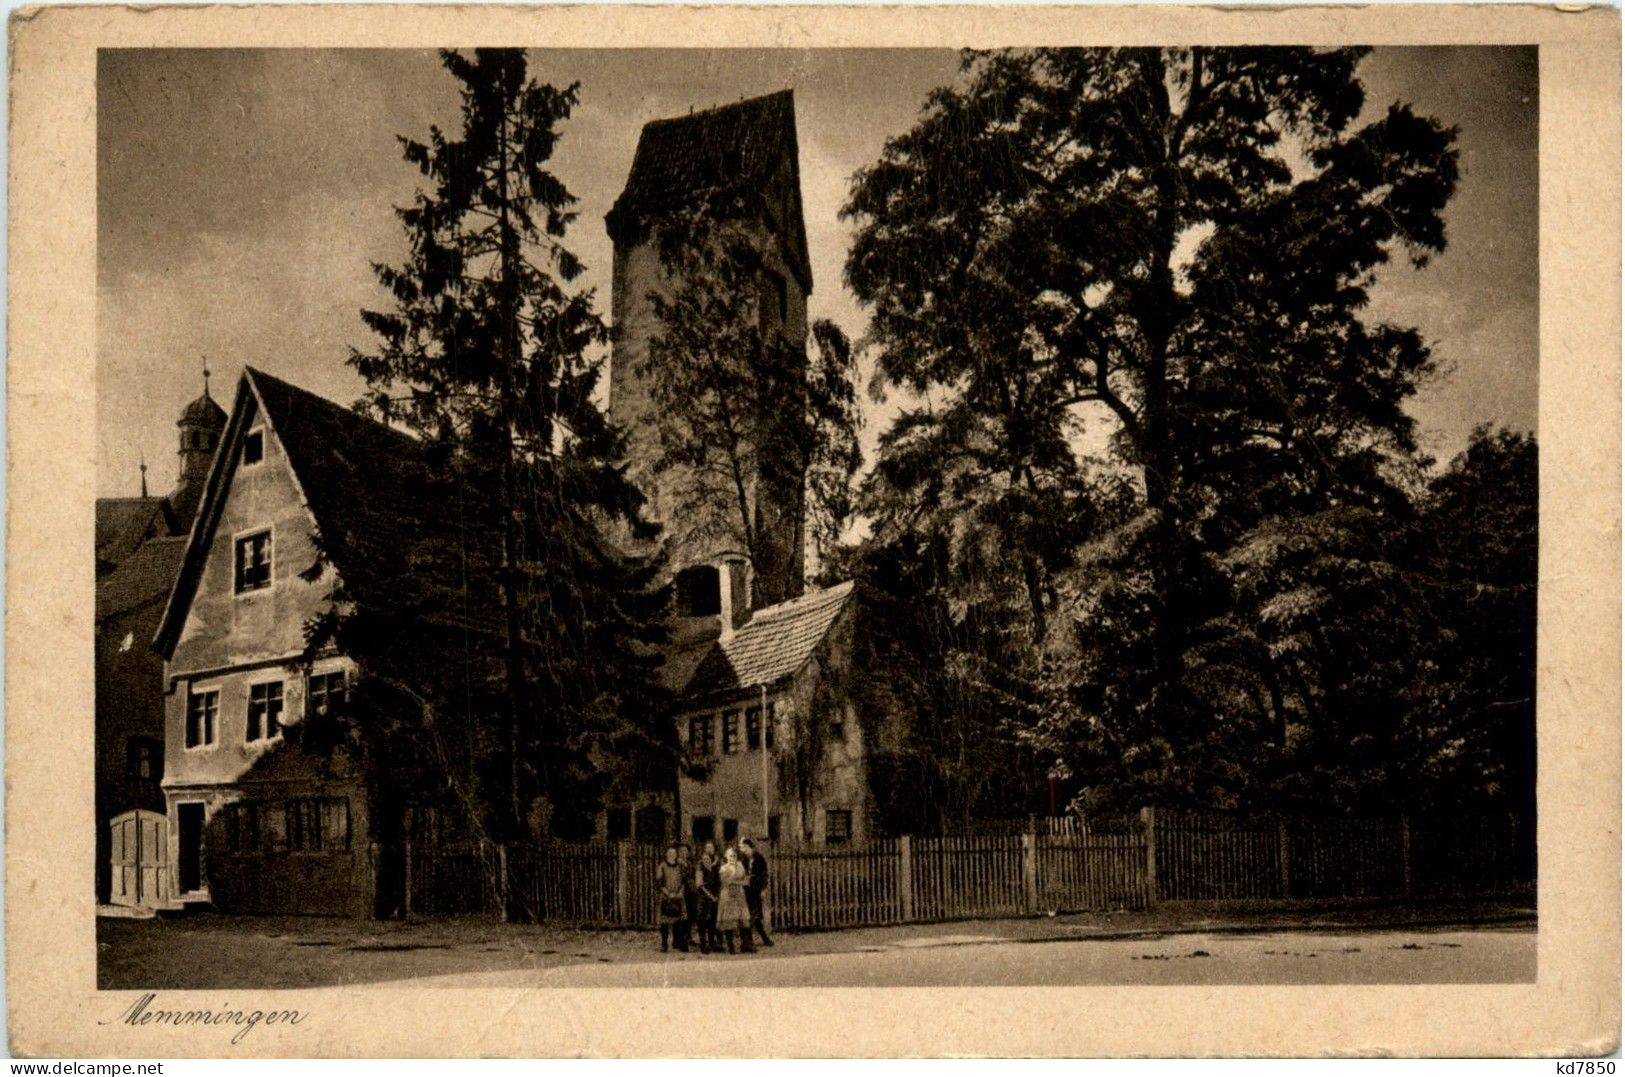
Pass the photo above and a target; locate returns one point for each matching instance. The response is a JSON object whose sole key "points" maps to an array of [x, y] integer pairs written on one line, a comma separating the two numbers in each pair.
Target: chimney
{"points": [[734, 580]]}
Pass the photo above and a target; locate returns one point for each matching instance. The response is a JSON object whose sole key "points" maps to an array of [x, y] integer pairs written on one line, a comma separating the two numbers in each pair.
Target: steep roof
{"points": [[356, 476], [123, 523], [773, 645], [356, 473], [141, 578], [735, 147]]}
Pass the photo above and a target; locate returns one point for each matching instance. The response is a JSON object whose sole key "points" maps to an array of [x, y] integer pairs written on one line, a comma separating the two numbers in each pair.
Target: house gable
{"points": [[349, 477], [215, 620]]}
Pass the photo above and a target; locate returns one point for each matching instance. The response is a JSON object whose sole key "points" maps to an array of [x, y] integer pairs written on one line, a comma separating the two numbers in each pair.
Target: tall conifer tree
{"points": [[486, 358]]}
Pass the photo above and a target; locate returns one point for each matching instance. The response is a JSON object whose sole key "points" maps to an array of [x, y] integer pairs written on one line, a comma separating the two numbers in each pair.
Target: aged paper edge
{"points": [[50, 936]]}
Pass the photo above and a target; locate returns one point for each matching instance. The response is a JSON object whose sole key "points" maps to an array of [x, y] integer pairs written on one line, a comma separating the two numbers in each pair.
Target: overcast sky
{"points": [[243, 194]]}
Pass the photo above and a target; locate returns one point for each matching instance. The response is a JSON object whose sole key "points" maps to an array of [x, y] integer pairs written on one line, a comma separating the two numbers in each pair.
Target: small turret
{"points": [[201, 424]]}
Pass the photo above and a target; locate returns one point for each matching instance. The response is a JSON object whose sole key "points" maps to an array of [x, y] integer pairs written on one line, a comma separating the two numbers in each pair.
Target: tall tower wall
{"points": [[750, 147]]}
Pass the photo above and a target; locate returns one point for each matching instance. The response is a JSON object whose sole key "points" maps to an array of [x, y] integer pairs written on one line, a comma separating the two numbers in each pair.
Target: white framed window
{"points": [[264, 712], [253, 561], [701, 735], [326, 692], [202, 717], [753, 728], [144, 759]]}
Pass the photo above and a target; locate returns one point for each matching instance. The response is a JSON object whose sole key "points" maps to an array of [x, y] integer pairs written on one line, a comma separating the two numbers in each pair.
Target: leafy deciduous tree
{"points": [[1176, 245], [753, 423]]}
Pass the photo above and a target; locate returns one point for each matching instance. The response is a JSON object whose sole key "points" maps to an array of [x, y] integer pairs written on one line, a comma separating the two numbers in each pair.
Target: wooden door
{"points": [[140, 858]]}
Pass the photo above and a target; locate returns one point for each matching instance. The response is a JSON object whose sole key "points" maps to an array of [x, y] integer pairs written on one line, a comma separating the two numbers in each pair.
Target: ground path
{"points": [[953, 960], [1195, 944]]}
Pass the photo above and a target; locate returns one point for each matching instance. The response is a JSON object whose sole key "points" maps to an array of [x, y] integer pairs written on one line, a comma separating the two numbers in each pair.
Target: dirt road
{"points": [[1438, 945]]}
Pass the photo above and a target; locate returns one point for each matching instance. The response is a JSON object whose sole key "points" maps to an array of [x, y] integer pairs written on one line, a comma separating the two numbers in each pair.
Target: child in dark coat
{"points": [[707, 891], [668, 896]]}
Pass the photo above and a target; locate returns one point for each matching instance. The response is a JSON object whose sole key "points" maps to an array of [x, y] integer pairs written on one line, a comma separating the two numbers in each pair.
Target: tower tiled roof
{"points": [[720, 147], [203, 412], [772, 646], [735, 147]]}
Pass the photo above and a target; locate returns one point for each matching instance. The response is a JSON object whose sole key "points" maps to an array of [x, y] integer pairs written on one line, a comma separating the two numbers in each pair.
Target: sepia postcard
{"points": [[813, 531]]}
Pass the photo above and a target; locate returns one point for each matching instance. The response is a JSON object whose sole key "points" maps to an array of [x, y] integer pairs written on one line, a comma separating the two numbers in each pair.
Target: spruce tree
{"points": [[520, 564]]}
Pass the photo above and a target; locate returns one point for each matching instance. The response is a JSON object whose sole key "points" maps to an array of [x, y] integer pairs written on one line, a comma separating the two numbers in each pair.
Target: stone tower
{"points": [[201, 424], [747, 149]]}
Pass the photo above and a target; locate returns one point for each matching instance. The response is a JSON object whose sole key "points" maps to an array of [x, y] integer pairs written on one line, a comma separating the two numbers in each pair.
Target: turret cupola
{"points": [[201, 424]]}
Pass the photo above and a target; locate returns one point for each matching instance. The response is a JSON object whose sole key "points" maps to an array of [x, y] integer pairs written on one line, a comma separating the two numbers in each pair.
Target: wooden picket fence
{"points": [[457, 880], [1214, 856], [913, 880], [1125, 862], [887, 881]]}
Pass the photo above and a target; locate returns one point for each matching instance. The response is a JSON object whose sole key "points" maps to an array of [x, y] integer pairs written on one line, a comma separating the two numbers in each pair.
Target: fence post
{"points": [[510, 907], [1405, 854], [1148, 823], [372, 881], [1029, 868], [623, 881], [406, 894], [1283, 848], [905, 877]]}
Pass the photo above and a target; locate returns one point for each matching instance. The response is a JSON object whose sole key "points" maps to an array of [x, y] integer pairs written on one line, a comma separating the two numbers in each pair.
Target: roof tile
{"points": [[728, 150], [123, 523], [737, 144], [144, 576], [774, 644]]}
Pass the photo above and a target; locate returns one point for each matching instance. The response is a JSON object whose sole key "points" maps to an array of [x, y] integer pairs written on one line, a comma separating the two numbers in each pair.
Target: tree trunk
{"points": [[1157, 314], [507, 292]]}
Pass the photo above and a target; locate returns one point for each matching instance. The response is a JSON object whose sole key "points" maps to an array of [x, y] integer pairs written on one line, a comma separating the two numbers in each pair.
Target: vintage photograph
{"points": [[889, 517]]}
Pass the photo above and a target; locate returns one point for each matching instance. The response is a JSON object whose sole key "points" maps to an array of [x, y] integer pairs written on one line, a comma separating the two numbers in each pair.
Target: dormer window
{"points": [[254, 562], [699, 592], [253, 447]]}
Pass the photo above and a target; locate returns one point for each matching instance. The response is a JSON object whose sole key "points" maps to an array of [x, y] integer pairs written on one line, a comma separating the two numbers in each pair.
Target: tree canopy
{"points": [[1125, 292], [756, 418]]}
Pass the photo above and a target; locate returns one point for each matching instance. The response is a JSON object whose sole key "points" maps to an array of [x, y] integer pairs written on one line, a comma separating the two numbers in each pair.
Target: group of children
{"points": [[717, 898]]}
